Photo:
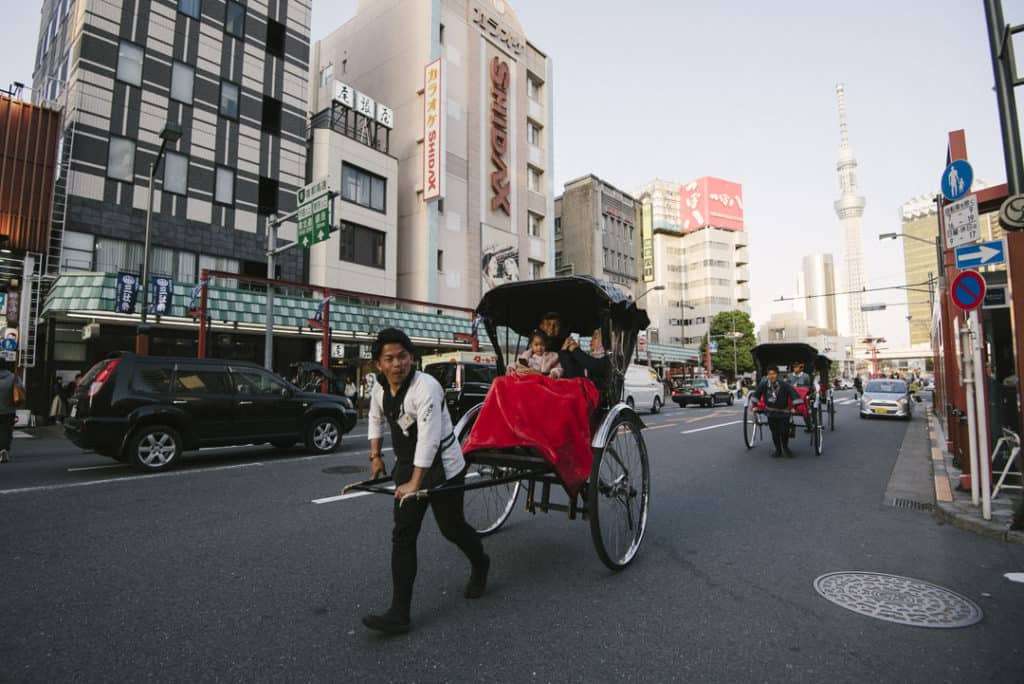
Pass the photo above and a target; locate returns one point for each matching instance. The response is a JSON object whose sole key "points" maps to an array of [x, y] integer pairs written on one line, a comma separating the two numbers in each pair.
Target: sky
{"points": [[746, 91]]}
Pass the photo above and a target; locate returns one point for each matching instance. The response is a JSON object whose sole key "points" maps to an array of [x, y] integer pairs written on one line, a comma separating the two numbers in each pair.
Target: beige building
{"points": [[362, 255], [470, 98], [596, 233], [694, 243], [816, 282]]}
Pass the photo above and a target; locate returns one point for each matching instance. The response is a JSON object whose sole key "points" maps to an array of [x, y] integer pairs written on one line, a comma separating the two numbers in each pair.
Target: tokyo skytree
{"points": [[850, 209]]}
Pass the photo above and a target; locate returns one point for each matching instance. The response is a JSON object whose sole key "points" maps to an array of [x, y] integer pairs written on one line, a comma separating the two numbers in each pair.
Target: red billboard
{"points": [[711, 201]]}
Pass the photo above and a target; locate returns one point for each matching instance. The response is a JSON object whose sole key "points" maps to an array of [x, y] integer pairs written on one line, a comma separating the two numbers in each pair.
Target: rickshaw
{"points": [[615, 498], [808, 410], [823, 367]]}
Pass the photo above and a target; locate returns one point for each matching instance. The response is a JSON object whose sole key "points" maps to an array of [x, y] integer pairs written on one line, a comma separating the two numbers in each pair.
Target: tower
{"points": [[850, 209]]}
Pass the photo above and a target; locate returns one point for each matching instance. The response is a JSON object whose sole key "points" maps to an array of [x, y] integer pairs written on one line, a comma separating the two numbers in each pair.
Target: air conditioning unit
{"points": [[90, 331]]}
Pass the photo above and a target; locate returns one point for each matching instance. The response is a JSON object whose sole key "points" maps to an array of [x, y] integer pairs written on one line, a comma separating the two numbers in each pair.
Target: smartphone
{"points": [[522, 362]]}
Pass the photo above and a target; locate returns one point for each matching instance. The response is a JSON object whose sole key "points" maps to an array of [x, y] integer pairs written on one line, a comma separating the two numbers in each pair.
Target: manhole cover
{"points": [[897, 599], [344, 470]]}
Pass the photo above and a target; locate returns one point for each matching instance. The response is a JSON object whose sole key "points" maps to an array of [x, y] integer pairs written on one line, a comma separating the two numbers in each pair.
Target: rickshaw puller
{"points": [[428, 455], [777, 394]]}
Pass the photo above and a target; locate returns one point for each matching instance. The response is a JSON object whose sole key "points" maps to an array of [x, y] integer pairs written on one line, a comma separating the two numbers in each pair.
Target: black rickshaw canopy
{"points": [[823, 366], [783, 354]]}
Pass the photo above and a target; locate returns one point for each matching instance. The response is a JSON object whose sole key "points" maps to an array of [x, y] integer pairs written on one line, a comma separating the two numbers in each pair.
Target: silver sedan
{"points": [[886, 398]]}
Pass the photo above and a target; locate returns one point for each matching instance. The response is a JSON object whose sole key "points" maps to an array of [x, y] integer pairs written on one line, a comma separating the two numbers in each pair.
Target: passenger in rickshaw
{"points": [[777, 395], [799, 377], [595, 365], [537, 360]]}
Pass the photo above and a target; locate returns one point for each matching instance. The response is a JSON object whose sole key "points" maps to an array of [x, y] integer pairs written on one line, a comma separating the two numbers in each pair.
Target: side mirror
{"points": [[286, 393]]}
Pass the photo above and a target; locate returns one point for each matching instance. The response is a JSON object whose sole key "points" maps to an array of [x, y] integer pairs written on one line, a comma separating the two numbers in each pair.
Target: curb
{"points": [[950, 512]]}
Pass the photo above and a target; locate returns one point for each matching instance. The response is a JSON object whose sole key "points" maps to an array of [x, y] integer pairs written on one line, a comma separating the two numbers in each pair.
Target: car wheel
{"points": [[154, 448], [323, 435], [862, 416], [656, 407]]}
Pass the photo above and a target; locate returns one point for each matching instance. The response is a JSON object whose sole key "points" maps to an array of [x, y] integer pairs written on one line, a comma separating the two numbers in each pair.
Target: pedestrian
{"points": [[427, 454], [12, 395], [858, 387], [777, 395], [350, 390]]}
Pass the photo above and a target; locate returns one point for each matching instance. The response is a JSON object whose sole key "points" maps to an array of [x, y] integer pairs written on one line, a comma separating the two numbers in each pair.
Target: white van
{"points": [[643, 389]]}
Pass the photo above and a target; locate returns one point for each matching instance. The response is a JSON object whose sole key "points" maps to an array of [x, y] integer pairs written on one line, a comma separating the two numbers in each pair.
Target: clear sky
{"points": [[746, 91]]}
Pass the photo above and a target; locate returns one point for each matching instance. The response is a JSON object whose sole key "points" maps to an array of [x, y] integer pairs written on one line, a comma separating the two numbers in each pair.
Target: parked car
{"points": [[147, 410], [886, 398], [701, 392], [643, 389], [464, 376]]}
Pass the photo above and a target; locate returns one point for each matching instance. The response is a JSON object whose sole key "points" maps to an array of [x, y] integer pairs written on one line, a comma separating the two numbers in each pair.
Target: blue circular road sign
{"points": [[957, 180], [968, 290]]}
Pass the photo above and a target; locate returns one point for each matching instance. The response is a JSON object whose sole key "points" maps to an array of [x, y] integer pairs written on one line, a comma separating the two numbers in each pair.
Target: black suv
{"points": [[465, 384], [146, 410]]}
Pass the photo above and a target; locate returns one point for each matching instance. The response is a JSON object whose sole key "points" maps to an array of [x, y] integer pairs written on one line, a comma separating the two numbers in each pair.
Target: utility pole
{"points": [[1000, 40]]}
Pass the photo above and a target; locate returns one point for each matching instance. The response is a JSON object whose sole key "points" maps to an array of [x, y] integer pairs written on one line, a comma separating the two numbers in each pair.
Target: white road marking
{"points": [[98, 467], [710, 427], [18, 434], [1015, 577], [135, 478]]}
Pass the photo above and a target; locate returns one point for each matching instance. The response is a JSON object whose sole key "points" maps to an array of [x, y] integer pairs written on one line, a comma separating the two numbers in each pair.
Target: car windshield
{"points": [[887, 387], [699, 383]]}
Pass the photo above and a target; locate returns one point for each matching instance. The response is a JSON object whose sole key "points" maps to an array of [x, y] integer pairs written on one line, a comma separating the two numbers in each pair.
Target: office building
{"points": [[694, 243], [470, 98], [595, 232], [817, 285]]}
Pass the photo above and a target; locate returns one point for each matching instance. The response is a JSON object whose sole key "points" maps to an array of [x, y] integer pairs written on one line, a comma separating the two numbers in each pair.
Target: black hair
{"points": [[391, 336], [541, 334], [769, 369], [552, 314]]}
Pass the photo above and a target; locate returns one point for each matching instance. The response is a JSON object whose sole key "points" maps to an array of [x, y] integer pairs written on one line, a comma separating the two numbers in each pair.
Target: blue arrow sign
{"points": [[981, 254], [957, 180]]}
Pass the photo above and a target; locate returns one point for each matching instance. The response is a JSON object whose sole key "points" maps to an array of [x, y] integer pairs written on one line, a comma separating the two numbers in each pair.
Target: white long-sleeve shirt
{"points": [[424, 402]]}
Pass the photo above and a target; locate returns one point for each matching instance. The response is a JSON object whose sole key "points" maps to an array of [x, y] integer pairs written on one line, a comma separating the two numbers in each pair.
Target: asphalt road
{"points": [[227, 569]]}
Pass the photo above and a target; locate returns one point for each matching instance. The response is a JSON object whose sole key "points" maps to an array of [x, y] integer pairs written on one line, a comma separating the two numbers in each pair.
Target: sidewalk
{"points": [[955, 507]]}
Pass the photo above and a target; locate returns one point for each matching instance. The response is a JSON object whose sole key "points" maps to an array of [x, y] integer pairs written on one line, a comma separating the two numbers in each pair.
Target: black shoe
{"points": [[478, 579], [776, 454], [789, 454], [389, 623]]}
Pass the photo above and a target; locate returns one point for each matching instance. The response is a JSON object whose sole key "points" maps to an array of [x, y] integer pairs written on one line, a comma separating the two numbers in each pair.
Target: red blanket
{"points": [[551, 417]]}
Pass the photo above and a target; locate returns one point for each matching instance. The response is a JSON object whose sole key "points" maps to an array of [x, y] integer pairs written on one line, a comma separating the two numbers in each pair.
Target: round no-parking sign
{"points": [[968, 290]]}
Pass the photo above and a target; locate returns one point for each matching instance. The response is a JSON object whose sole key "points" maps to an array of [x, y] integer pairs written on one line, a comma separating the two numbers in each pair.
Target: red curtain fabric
{"points": [[549, 416]]}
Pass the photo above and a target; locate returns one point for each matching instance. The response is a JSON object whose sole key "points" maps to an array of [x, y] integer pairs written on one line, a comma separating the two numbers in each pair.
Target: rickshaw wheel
{"points": [[486, 508], [618, 495], [831, 414], [817, 430], [750, 429]]}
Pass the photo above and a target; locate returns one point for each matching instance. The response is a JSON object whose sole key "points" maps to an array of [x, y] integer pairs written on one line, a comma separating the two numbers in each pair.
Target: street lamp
{"points": [[937, 242], [170, 134], [656, 288]]}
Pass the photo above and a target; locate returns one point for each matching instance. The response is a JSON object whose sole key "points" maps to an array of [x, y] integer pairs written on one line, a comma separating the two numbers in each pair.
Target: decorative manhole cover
{"points": [[344, 470], [897, 599]]}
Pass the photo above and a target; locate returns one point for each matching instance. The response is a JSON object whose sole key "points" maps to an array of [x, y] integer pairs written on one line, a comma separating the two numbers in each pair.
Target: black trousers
{"points": [[779, 425], [6, 430], [448, 512]]}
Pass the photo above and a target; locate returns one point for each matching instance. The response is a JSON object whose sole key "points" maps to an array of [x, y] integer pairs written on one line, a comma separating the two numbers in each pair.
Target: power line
{"points": [[909, 288]]}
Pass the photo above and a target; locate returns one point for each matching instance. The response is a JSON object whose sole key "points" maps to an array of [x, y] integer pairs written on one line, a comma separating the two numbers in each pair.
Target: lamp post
{"points": [[937, 242], [170, 134]]}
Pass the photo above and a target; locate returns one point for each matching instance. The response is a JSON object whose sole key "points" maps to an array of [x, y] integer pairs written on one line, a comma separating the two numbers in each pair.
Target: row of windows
{"points": [[85, 252], [201, 380], [234, 15], [121, 167]]}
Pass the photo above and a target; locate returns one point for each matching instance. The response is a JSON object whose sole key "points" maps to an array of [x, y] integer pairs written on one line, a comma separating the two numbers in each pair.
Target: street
{"points": [[228, 568]]}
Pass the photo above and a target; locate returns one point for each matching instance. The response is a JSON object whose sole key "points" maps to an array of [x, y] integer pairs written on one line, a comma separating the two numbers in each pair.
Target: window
{"points": [[176, 173], [533, 86], [271, 115], [257, 382], [268, 196], [481, 374], [440, 261], [326, 76], [152, 380], [129, 63], [234, 19], [76, 254], [193, 8], [536, 269], [362, 245], [121, 159], [275, 38], [225, 190], [202, 381], [228, 100], [533, 133], [186, 269], [534, 176], [536, 222], [161, 261], [182, 79], [558, 226], [363, 188]]}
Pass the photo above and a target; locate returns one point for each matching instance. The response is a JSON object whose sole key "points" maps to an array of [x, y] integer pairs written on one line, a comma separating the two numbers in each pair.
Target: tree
{"points": [[732, 352]]}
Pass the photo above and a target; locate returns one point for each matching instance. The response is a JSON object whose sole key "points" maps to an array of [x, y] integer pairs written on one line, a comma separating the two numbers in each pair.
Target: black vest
{"points": [[404, 441]]}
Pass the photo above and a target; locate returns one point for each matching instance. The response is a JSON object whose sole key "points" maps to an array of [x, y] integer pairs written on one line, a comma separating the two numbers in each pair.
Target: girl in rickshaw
{"points": [[537, 360]]}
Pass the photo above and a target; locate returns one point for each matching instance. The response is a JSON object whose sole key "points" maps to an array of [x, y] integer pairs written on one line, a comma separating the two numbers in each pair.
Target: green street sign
{"points": [[315, 221]]}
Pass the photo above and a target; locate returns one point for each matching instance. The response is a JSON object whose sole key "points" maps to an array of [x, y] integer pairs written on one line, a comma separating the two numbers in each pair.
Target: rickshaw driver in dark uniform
{"points": [[777, 394], [428, 454]]}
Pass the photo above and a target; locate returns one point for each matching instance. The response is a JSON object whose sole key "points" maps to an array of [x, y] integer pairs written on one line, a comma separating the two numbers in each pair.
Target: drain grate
{"points": [[902, 600], [911, 504], [344, 470]]}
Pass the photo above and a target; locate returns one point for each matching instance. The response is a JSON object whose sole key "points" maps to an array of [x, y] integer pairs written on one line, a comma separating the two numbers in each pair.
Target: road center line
{"points": [[134, 478], [711, 427]]}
